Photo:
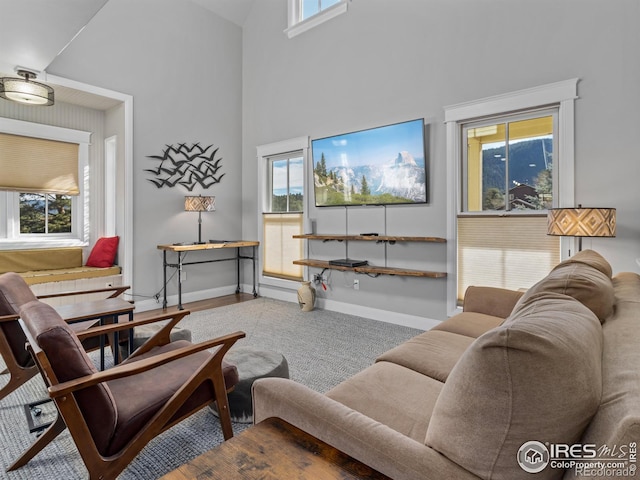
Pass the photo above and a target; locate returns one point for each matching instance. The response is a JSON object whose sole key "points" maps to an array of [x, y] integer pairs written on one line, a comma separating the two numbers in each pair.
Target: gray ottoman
{"points": [[144, 332], [251, 364]]}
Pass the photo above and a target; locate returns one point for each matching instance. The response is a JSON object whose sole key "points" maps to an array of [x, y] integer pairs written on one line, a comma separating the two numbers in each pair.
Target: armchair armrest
{"points": [[117, 291], [9, 318], [498, 302], [348, 430], [174, 318], [131, 368]]}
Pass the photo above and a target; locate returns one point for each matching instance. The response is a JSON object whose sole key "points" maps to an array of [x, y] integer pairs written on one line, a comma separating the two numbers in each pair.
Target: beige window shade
{"points": [[37, 165], [507, 252], [280, 249]]}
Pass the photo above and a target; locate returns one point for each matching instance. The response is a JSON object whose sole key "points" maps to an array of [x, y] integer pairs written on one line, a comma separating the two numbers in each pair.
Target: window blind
{"points": [[506, 252], [36, 165], [280, 249]]}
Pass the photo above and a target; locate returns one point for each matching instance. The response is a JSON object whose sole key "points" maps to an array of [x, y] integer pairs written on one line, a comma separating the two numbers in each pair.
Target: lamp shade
{"points": [[199, 204], [24, 90], [582, 222]]}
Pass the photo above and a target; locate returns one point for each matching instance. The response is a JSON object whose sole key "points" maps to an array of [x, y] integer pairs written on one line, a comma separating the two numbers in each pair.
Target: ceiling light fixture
{"points": [[25, 90]]}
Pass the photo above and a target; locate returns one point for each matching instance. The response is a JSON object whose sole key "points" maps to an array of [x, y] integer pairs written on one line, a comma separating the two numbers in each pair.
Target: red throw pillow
{"points": [[103, 252]]}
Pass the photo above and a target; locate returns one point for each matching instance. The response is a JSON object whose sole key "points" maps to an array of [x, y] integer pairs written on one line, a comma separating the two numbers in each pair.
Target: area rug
{"points": [[322, 349]]}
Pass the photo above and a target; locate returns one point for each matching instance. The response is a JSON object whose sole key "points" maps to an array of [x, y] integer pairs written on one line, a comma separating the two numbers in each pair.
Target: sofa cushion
{"points": [[585, 277], [617, 421], [497, 302], [470, 324], [536, 377], [392, 395], [433, 353]]}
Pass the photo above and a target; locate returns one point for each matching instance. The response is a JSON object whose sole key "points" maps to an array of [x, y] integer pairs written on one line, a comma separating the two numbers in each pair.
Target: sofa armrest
{"points": [[498, 302], [351, 432]]}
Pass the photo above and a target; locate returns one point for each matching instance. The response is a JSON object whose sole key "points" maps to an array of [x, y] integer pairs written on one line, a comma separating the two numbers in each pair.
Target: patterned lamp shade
{"points": [[582, 222], [199, 204]]}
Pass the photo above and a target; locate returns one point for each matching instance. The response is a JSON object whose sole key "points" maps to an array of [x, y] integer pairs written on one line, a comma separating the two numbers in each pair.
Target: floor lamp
{"points": [[199, 204], [582, 222]]}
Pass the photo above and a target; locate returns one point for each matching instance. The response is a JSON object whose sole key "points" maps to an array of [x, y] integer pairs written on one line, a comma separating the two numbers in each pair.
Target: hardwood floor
{"points": [[202, 304]]}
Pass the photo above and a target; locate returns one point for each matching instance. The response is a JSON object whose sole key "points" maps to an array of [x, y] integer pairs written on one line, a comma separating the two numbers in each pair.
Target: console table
{"points": [[274, 449], [182, 248]]}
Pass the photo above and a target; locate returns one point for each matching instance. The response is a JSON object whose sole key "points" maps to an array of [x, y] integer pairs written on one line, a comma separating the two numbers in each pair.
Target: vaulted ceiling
{"points": [[34, 32]]}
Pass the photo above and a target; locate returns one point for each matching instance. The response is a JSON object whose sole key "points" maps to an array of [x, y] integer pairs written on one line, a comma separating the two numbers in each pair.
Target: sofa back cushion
{"points": [[69, 361], [617, 421], [586, 277], [537, 377]]}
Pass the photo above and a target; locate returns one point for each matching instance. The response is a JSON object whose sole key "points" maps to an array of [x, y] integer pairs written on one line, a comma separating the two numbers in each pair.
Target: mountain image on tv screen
{"points": [[378, 166]]}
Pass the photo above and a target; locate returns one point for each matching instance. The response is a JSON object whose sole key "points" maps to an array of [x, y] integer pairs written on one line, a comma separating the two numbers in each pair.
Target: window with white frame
{"points": [[306, 14], [282, 185], [42, 186], [511, 158]]}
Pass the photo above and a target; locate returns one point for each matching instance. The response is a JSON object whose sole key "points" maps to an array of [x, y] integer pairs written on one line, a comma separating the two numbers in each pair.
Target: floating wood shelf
{"points": [[370, 269], [371, 238]]}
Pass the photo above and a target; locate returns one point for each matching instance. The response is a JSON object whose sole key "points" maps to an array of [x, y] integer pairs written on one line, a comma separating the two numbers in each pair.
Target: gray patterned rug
{"points": [[322, 348]]}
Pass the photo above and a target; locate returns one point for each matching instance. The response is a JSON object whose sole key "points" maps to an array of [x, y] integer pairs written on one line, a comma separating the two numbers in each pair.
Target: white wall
{"points": [[384, 62], [182, 64]]}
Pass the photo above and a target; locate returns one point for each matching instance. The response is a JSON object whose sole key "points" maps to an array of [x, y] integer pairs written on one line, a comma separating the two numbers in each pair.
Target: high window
{"points": [[511, 158], [283, 187], [306, 14]]}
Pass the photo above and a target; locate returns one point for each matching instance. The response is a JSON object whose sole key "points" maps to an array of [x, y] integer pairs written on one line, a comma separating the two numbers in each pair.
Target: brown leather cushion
{"points": [[14, 293], [139, 397], [69, 361]]}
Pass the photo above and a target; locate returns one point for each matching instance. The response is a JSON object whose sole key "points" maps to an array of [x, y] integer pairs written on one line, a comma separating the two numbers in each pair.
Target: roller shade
{"points": [[36, 165], [506, 252], [279, 246]]}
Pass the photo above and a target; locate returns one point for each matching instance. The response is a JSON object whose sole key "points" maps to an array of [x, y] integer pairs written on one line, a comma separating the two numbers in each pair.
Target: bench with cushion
{"points": [[46, 265]]}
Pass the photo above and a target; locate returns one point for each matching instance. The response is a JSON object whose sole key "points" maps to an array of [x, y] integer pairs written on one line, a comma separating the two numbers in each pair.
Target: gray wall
{"points": [[388, 61], [183, 66]]}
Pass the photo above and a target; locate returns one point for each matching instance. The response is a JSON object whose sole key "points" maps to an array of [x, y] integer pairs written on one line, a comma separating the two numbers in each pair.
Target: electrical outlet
{"points": [[356, 284], [183, 276]]}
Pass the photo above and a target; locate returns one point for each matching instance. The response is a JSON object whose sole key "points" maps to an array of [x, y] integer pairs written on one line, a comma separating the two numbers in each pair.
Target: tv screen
{"points": [[378, 166]]}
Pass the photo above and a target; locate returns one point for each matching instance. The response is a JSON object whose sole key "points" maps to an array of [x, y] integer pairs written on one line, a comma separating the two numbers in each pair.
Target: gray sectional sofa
{"points": [[499, 391]]}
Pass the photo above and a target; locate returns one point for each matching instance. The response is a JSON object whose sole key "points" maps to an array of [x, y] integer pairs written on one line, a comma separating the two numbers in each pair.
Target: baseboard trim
{"points": [[396, 318], [286, 295]]}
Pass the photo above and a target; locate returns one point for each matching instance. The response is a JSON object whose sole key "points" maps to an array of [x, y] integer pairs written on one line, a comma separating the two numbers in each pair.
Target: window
{"points": [[306, 14], [43, 185], [45, 213], [510, 158], [282, 185]]}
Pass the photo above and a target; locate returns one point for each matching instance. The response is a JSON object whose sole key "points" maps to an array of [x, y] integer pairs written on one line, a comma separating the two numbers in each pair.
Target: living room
{"points": [[177, 72], [374, 67]]}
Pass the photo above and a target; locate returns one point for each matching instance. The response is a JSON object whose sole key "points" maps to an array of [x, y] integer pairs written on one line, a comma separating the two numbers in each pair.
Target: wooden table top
{"points": [[186, 247], [274, 450], [94, 309]]}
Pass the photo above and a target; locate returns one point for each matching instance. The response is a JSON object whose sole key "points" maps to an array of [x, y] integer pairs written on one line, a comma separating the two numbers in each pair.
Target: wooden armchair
{"points": [[113, 414], [14, 292]]}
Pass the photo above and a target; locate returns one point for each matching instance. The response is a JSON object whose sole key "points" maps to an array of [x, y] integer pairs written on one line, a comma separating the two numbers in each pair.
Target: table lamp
{"points": [[199, 204], [582, 222]]}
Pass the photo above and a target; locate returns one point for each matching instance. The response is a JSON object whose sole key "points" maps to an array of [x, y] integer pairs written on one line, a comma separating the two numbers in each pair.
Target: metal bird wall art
{"points": [[187, 166]]}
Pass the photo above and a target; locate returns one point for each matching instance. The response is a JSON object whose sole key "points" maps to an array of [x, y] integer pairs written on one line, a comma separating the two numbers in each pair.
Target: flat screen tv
{"points": [[378, 166]]}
